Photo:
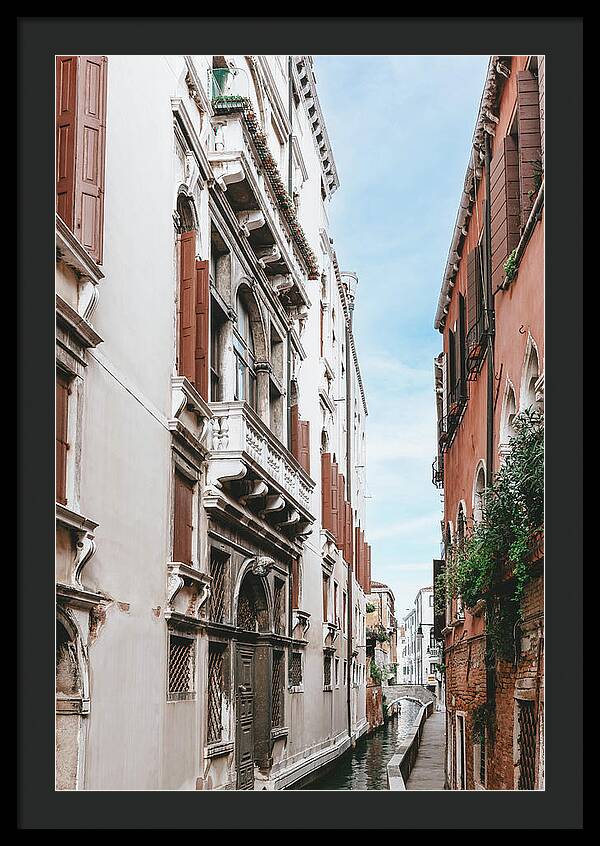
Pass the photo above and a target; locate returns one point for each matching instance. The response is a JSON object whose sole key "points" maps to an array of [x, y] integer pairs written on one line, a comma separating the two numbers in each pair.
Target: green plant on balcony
{"points": [[511, 266], [371, 607]]}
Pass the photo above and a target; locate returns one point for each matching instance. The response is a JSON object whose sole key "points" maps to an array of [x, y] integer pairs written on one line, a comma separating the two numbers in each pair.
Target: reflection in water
{"points": [[365, 767]]}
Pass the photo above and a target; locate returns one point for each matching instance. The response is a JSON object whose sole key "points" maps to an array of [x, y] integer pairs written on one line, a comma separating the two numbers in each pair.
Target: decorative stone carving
{"points": [[330, 634], [250, 220], [188, 591], [228, 172], [260, 565], [86, 547], [266, 255], [301, 622]]}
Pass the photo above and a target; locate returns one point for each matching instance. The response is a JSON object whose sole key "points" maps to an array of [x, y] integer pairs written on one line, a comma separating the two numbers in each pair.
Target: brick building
{"points": [[490, 315]]}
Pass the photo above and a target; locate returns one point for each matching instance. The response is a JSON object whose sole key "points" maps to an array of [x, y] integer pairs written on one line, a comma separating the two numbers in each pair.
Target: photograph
{"points": [[300, 320]]}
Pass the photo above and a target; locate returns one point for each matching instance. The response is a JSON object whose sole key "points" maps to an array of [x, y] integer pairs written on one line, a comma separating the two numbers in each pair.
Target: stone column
{"points": [[263, 369]]}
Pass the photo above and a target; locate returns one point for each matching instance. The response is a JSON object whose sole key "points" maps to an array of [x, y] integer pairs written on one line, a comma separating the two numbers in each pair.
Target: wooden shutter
{"points": [[341, 530], [66, 121], [183, 520], [335, 500], [474, 291], [530, 143], [89, 156], [294, 434], [462, 347], [187, 305], [505, 213], [295, 583], [202, 339], [62, 440], [451, 368], [348, 533], [325, 490], [304, 445], [357, 554], [368, 580]]}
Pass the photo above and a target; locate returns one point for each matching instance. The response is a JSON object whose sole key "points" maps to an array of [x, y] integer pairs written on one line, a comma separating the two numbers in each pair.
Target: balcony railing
{"points": [[476, 346], [243, 447], [437, 471]]}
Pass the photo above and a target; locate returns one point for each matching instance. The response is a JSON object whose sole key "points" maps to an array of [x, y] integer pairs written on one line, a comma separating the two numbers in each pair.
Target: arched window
{"points": [[252, 609], [509, 410], [531, 374], [243, 347], [478, 494]]}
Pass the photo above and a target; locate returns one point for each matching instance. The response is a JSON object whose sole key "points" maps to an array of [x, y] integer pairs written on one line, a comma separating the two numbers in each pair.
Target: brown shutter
{"points": [[304, 445], [325, 490], [462, 347], [368, 584], [294, 434], [202, 340], [504, 191], [348, 533], [341, 532], [530, 144], [89, 159], [335, 500], [357, 554], [187, 305], [295, 583], [474, 298], [183, 520], [66, 121], [451, 368], [62, 443]]}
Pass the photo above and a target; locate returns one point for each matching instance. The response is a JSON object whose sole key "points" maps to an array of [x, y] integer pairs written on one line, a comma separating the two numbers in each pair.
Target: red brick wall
{"points": [[374, 706]]}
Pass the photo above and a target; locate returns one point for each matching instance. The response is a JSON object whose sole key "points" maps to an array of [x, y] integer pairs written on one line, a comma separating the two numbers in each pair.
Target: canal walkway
{"points": [[428, 771]]}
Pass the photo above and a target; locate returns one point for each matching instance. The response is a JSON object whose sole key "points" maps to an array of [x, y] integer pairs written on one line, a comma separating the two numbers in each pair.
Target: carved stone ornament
{"points": [[86, 547], [260, 565]]}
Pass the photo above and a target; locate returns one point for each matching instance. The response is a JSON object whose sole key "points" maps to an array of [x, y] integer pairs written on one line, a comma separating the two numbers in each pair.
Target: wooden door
{"points": [[245, 717]]}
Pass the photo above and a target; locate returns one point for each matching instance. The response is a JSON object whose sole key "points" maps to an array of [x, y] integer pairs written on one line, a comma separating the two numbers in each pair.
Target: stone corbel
{"points": [[196, 586], [227, 173], [282, 282], [256, 490], [192, 171], [185, 396], [249, 220], [303, 530], [86, 547], [226, 470], [266, 255], [300, 620], [273, 502], [330, 633], [293, 517]]}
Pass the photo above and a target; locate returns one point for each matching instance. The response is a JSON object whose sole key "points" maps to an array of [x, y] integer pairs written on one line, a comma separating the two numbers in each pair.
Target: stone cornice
{"points": [[70, 251], [307, 89], [186, 127], [75, 325]]}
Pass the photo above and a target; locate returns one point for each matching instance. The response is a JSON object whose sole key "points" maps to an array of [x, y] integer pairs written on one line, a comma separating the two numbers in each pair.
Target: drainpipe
{"points": [[349, 483]]}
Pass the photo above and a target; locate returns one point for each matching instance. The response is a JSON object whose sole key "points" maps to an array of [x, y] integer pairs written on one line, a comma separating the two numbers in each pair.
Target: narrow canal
{"points": [[365, 767]]}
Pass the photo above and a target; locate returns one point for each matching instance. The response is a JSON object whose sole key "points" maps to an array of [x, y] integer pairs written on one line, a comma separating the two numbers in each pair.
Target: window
{"points": [[337, 672], [527, 737], [218, 570], [295, 673], [80, 147], [335, 603], [327, 670], [183, 525], [243, 347], [62, 437], [216, 353], [344, 612], [279, 607], [182, 657], [345, 671], [479, 495], [325, 598], [479, 758], [461, 783], [277, 689], [215, 692]]}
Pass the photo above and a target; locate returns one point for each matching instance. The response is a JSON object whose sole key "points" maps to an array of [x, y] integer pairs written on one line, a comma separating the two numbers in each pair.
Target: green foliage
{"points": [[484, 718], [513, 512], [511, 266], [371, 607], [378, 633], [377, 672]]}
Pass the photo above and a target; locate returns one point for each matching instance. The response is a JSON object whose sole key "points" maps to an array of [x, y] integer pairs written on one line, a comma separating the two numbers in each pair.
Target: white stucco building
{"points": [[211, 563], [419, 651]]}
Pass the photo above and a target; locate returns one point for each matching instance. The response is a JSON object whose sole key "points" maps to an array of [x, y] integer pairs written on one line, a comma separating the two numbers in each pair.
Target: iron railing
{"points": [[437, 471], [476, 342]]}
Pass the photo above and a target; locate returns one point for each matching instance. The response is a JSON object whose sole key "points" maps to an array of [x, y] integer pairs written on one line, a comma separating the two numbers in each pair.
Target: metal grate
{"points": [[482, 757], [327, 669], [527, 733], [277, 690], [278, 616], [215, 693], [247, 612], [296, 669], [217, 594], [181, 667]]}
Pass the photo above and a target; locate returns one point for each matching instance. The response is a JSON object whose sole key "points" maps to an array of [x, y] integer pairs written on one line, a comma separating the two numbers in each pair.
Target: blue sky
{"points": [[401, 129]]}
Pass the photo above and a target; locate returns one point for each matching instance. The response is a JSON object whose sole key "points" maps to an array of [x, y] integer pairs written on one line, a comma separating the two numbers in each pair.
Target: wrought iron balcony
{"points": [[249, 462], [476, 343], [437, 471]]}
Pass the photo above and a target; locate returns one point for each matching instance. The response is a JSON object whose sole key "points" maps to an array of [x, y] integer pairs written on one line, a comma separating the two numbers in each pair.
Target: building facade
{"points": [[382, 630], [421, 652], [211, 563], [490, 315]]}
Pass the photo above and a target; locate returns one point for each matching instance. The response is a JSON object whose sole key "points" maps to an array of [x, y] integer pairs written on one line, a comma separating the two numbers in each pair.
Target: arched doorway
{"points": [[252, 617]]}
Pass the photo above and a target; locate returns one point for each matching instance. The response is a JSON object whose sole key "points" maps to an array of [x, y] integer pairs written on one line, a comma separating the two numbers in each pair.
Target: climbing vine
{"points": [[493, 563]]}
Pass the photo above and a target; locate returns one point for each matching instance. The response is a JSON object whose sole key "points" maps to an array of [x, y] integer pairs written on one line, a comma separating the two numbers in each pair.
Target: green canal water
{"points": [[365, 766]]}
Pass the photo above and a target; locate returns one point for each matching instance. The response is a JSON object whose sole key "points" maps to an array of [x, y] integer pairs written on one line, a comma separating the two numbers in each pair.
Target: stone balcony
{"points": [[236, 168], [250, 464]]}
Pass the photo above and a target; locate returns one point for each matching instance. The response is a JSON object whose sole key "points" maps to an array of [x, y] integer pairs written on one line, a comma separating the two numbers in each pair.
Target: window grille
{"points": [[527, 732], [277, 690], [247, 612], [181, 667], [278, 607], [296, 669], [218, 565], [215, 693], [327, 669]]}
